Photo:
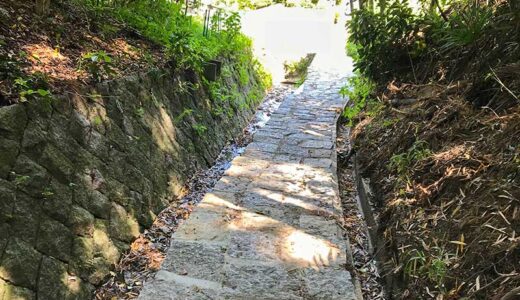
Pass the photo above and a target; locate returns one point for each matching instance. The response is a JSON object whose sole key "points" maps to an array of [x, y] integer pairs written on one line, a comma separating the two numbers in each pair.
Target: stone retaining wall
{"points": [[81, 175]]}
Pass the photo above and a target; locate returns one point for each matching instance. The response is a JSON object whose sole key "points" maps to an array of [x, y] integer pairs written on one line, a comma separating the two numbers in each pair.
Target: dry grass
{"points": [[451, 220]]}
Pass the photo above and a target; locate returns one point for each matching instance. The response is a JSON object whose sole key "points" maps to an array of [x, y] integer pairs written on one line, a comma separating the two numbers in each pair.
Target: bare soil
{"points": [[49, 48]]}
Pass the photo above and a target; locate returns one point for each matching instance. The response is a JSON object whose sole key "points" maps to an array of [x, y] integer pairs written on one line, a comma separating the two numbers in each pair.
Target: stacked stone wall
{"points": [[81, 175]]}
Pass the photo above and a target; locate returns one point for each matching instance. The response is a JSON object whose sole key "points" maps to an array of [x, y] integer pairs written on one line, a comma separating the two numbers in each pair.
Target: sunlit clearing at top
{"points": [[286, 34]]}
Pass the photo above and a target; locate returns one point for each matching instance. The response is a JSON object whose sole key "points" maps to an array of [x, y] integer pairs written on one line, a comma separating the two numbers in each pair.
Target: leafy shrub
{"points": [[199, 129], [98, 64], [432, 267], [445, 40], [27, 89], [402, 162], [296, 71], [383, 39], [188, 47], [358, 90]]}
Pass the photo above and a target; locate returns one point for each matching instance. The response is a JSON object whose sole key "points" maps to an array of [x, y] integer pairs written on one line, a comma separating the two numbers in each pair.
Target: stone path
{"points": [[268, 230]]}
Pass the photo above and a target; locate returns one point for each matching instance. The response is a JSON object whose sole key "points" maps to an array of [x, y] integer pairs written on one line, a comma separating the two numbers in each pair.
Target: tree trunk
{"points": [[42, 6]]}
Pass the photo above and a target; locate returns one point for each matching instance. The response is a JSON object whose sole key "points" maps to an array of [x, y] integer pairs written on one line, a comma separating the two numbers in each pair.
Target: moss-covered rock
{"points": [[13, 120], [80, 176], [25, 218], [20, 263], [54, 239], [9, 150], [81, 221], [123, 226], [53, 279], [13, 292]]}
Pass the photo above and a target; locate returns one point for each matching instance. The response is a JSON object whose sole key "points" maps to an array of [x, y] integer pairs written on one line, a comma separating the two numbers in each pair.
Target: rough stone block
{"points": [[103, 245], [255, 245], [205, 226], [120, 193], [93, 257], [8, 152], [250, 279], [56, 199], [4, 236], [54, 239], [12, 292], [168, 285], [329, 284], [7, 197], [79, 127], [25, 218], [317, 144], [82, 257], [96, 203], [123, 226], [53, 279], [98, 144], [57, 163], [81, 222], [20, 263], [30, 177], [13, 120], [34, 139], [197, 260]]}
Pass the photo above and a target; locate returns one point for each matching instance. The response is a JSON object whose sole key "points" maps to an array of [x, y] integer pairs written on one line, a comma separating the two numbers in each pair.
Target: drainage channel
{"points": [[359, 223], [149, 249]]}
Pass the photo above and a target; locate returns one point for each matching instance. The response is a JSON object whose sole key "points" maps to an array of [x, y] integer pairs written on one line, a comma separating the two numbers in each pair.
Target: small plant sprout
{"points": [[200, 129], [98, 64], [139, 112], [21, 179], [27, 91], [47, 193]]}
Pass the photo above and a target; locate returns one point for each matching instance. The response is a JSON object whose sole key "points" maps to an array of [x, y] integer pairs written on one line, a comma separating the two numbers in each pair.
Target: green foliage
{"points": [[20, 179], [47, 193], [232, 25], [139, 112], [188, 48], [432, 266], [257, 4], [186, 112], [465, 27], [266, 79], [243, 76], [97, 121], [358, 91], [382, 39], [27, 91], [98, 64], [199, 129], [299, 67], [443, 40], [164, 22], [401, 163]]}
